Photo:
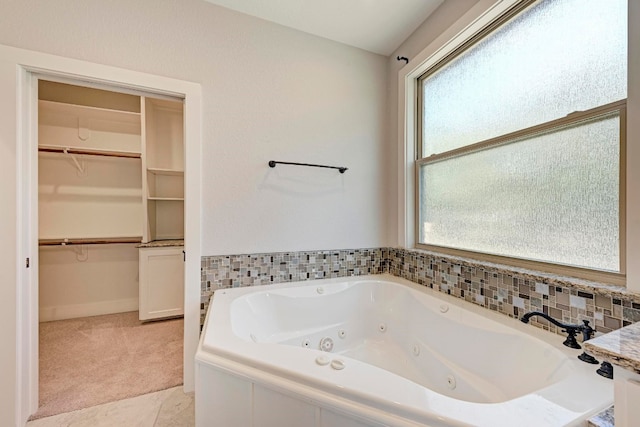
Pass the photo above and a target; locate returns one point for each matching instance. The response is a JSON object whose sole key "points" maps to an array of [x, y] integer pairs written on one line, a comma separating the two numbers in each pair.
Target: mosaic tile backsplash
{"points": [[512, 292]]}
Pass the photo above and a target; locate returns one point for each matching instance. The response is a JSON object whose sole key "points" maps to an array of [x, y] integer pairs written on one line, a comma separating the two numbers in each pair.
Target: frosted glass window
{"points": [[558, 57], [552, 198]]}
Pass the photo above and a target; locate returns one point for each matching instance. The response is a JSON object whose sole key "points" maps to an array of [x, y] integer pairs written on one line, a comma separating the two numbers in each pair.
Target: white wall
{"points": [[8, 260], [99, 279], [269, 93]]}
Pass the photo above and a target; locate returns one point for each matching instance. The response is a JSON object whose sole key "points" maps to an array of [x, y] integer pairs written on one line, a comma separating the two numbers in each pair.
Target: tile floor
{"points": [[166, 408]]}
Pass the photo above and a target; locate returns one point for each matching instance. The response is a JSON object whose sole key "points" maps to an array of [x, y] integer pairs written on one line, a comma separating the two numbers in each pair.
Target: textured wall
{"points": [[269, 92]]}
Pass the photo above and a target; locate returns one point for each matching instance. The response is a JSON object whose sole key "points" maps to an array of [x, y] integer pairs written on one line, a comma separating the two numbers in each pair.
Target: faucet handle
{"points": [[571, 338], [587, 331]]}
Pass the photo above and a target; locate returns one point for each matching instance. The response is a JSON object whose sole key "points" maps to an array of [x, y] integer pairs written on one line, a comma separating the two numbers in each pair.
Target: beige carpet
{"points": [[92, 360]]}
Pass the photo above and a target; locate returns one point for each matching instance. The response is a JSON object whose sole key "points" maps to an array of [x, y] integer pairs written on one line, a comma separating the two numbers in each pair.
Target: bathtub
{"points": [[382, 351]]}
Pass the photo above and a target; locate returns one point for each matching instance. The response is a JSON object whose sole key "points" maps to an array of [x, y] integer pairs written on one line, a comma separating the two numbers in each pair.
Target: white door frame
{"points": [[28, 65]]}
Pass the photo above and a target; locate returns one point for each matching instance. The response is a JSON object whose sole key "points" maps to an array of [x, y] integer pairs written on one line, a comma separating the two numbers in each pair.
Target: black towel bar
{"points": [[273, 163]]}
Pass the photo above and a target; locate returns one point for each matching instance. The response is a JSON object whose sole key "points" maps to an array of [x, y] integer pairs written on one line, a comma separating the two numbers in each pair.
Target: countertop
{"points": [[603, 419], [161, 244], [620, 347]]}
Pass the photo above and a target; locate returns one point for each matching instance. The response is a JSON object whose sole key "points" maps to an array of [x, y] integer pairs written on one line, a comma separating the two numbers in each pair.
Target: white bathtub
{"points": [[403, 355]]}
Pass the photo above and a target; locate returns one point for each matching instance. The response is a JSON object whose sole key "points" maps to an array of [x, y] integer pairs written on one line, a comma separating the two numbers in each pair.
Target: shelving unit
{"points": [[90, 204], [163, 164], [162, 268], [111, 177], [90, 183]]}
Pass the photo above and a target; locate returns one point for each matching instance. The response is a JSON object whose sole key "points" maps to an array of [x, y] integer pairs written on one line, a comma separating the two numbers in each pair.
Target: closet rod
{"points": [[100, 241], [89, 152]]}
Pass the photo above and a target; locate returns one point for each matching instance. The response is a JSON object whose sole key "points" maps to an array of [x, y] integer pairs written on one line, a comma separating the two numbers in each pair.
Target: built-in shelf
{"points": [[165, 172], [163, 169], [165, 184], [53, 107]]}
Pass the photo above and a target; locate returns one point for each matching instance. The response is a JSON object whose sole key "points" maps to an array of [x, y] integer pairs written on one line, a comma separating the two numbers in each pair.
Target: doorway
{"points": [[29, 66], [110, 217]]}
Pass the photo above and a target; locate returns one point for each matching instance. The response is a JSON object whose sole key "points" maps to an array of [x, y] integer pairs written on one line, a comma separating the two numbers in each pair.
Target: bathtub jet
{"points": [[401, 355]]}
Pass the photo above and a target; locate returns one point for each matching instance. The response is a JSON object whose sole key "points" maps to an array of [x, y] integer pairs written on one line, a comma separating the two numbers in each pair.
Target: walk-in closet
{"points": [[111, 230]]}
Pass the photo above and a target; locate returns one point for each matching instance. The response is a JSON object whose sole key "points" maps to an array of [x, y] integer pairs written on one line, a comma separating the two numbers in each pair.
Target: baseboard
{"points": [[48, 314]]}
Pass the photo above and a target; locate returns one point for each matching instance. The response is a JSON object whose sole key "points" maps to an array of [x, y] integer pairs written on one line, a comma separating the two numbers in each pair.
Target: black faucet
{"points": [[605, 370], [571, 330]]}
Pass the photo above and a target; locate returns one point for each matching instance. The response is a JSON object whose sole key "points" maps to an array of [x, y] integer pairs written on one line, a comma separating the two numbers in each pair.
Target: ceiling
{"points": [[379, 26]]}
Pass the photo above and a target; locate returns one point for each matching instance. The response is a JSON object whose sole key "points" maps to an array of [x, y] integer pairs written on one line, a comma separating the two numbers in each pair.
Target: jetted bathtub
{"points": [[382, 351]]}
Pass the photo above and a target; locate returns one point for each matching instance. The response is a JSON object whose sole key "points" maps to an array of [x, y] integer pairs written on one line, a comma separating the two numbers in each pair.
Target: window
{"points": [[521, 140]]}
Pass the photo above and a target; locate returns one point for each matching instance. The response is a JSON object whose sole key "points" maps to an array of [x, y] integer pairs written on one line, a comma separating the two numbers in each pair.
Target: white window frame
{"points": [[476, 20]]}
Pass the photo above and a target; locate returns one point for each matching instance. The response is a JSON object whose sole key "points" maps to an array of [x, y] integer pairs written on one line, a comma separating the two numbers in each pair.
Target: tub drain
{"points": [[326, 344]]}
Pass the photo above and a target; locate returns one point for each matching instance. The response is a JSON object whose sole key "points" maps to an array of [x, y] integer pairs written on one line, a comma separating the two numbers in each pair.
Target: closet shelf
{"points": [[53, 107], [167, 199], [167, 172], [88, 151], [89, 241]]}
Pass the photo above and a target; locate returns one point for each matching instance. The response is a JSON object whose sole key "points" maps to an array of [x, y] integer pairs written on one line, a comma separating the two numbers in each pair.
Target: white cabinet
{"points": [[161, 282]]}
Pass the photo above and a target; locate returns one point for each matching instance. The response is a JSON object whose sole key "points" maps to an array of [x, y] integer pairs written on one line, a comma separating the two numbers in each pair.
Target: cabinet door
{"points": [[161, 283]]}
